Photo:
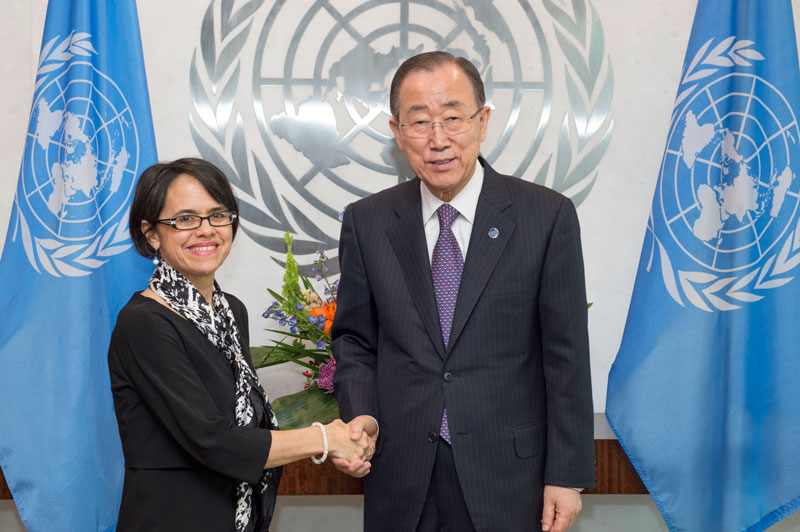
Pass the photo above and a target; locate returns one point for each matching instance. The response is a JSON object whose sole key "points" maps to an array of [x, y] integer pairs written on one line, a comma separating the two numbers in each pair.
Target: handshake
{"points": [[351, 445]]}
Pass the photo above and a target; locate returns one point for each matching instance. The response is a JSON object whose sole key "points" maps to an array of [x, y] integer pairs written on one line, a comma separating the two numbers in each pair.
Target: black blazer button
{"points": [[448, 377], [433, 437]]}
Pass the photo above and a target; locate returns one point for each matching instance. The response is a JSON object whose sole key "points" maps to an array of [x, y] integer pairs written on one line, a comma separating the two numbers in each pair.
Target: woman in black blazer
{"points": [[201, 445]]}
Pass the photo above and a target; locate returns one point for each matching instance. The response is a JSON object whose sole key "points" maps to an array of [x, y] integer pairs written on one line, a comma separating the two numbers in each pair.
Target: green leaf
{"points": [[279, 298], [279, 355], [301, 409], [260, 354], [299, 347], [321, 336]]}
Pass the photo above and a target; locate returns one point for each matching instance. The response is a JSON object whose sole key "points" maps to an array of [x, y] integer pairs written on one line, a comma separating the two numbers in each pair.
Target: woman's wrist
{"points": [[324, 443]]}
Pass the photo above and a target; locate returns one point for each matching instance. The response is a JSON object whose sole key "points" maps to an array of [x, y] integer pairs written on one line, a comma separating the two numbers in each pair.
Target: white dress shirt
{"points": [[465, 203]]}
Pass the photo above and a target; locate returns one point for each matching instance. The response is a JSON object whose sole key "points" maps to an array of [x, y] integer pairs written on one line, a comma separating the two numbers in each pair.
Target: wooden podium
{"points": [[615, 475]]}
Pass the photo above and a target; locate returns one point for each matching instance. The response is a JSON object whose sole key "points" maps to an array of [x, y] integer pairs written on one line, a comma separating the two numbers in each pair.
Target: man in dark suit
{"points": [[461, 328]]}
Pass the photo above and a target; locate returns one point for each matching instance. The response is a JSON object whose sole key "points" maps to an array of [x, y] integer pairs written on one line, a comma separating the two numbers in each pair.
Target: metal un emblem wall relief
{"points": [[79, 164], [727, 196], [291, 99]]}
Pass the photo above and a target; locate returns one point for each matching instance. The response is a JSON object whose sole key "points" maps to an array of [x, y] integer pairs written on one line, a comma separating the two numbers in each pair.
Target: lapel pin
{"points": [[494, 232]]}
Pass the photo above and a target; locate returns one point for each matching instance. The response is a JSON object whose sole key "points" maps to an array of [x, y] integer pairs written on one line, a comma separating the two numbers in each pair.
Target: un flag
{"points": [[704, 393], [68, 266]]}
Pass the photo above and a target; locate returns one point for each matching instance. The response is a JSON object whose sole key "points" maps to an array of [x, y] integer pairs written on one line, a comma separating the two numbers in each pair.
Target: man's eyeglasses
{"points": [[186, 222], [452, 125]]}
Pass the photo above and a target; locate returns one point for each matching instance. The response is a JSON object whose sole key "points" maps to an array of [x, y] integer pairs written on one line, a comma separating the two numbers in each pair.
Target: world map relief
{"points": [[734, 190], [75, 177]]}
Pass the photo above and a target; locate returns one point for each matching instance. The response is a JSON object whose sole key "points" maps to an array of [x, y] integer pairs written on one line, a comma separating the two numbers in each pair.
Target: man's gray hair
{"points": [[430, 61]]}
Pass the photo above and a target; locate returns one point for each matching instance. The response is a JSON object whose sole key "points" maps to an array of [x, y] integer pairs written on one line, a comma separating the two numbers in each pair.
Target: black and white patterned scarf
{"points": [[221, 330]]}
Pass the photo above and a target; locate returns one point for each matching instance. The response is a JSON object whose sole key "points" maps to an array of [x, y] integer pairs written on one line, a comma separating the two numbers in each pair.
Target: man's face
{"points": [[444, 161]]}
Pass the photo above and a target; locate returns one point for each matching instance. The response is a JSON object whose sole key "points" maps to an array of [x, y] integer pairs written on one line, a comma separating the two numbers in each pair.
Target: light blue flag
{"points": [[705, 392], [68, 266]]}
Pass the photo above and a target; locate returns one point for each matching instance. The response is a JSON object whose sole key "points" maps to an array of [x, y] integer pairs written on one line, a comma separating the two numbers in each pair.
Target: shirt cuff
{"points": [[378, 427]]}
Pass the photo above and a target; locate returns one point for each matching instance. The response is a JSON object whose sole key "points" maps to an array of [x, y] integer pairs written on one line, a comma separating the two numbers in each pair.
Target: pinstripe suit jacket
{"points": [[515, 378]]}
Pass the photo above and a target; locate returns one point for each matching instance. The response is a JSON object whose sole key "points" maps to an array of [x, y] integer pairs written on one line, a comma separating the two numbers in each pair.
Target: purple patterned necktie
{"points": [[447, 264]]}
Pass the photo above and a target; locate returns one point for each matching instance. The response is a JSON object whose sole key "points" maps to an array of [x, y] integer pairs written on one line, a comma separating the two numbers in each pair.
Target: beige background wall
{"points": [[646, 42]]}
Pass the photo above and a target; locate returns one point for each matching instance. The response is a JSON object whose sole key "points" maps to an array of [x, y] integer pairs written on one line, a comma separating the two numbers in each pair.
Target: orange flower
{"points": [[327, 311]]}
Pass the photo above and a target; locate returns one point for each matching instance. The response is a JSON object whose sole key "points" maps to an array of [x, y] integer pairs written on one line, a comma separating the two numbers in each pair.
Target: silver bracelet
{"points": [[324, 443]]}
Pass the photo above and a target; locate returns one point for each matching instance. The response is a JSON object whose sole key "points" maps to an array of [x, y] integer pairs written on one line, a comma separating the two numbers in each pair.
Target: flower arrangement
{"points": [[308, 317]]}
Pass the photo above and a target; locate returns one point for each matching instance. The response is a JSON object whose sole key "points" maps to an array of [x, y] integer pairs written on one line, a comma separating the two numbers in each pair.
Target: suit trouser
{"points": [[445, 509]]}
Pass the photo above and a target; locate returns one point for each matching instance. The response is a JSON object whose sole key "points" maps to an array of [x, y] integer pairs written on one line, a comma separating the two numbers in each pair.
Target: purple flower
{"points": [[325, 379], [320, 344], [271, 310], [312, 319]]}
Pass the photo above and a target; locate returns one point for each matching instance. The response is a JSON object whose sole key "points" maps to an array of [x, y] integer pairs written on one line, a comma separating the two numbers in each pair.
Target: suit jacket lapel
{"points": [[407, 236], [483, 252]]}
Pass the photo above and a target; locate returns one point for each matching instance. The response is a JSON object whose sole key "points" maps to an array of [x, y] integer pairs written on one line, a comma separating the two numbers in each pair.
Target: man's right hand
{"points": [[359, 427]]}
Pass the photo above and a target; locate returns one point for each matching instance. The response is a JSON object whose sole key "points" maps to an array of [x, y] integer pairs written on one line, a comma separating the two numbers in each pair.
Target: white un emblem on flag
{"points": [[79, 165], [728, 192]]}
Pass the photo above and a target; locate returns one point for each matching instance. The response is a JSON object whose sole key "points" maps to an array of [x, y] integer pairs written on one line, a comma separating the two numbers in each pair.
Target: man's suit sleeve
{"points": [[565, 347], [355, 329]]}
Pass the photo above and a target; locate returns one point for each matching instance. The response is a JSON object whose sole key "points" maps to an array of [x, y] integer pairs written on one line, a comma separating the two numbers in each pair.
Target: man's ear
{"points": [[487, 111], [395, 125]]}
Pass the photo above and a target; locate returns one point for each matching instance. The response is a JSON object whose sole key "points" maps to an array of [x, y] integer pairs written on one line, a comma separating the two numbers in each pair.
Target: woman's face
{"points": [[196, 253]]}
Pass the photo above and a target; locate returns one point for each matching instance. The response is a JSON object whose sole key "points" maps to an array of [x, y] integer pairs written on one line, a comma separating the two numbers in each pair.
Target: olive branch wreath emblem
{"points": [[55, 256], [705, 290], [584, 136], [587, 126]]}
